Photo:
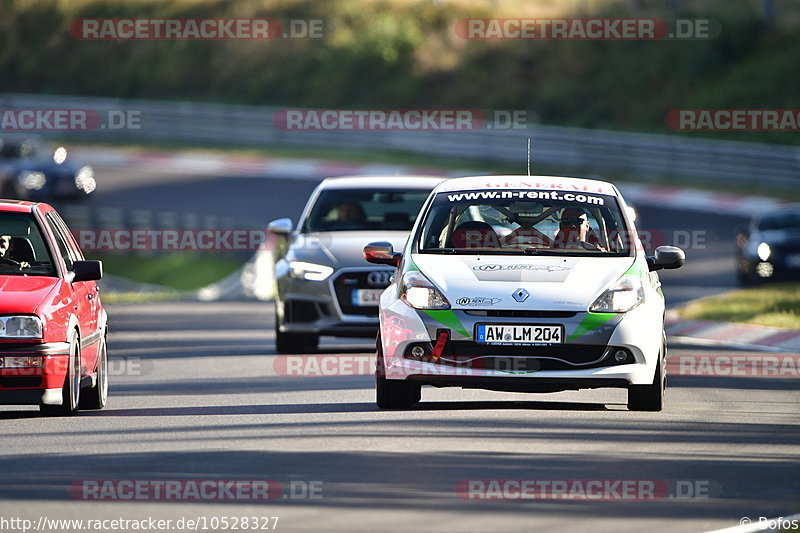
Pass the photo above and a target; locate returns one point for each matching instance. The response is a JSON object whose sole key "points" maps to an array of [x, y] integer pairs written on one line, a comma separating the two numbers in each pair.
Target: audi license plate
{"points": [[513, 334], [365, 297]]}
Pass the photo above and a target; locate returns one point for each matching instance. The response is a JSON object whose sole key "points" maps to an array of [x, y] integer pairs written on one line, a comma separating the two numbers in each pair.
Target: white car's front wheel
{"points": [[650, 397], [393, 393]]}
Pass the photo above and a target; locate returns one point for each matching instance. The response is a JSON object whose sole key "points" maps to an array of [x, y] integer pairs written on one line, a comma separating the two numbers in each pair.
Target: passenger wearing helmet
{"points": [[574, 231]]}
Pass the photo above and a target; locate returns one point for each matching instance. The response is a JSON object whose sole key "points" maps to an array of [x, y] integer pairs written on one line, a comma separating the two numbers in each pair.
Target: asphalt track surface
{"points": [[198, 394]]}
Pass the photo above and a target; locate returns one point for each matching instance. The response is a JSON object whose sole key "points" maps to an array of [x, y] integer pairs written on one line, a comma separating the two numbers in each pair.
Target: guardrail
{"points": [[586, 151]]}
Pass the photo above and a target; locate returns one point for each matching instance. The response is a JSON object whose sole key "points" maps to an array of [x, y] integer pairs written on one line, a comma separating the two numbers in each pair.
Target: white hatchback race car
{"points": [[525, 284]]}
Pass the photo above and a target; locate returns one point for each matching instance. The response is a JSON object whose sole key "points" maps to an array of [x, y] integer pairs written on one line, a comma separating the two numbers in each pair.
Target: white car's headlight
{"points": [[20, 327], [624, 295], [418, 292], [309, 271]]}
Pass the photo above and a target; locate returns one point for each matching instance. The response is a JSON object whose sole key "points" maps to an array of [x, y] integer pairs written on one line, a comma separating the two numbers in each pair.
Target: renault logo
{"points": [[379, 278], [521, 295]]}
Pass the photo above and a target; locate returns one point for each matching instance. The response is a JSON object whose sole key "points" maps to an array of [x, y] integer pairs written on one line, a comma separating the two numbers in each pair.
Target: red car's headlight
{"points": [[20, 327]]}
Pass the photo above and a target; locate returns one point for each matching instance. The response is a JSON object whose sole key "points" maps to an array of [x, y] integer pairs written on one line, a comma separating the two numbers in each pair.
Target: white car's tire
{"points": [[650, 397], [393, 393]]}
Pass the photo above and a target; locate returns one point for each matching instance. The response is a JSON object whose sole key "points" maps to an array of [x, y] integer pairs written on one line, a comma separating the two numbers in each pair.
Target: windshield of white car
{"points": [[22, 249], [532, 222], [365, 210]]}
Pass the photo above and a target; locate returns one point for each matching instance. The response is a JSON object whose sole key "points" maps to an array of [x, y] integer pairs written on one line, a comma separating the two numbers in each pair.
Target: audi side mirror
{"points": [[280, 226]]}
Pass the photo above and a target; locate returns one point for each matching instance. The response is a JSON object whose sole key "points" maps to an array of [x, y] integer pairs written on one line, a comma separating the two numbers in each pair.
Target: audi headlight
{"points": [[309, 271], [764, 251], [20, 327], [418, 292], [624, 295]]}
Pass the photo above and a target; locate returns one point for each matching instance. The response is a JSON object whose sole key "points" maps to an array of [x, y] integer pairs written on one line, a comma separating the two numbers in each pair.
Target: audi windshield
{"points": [[365, 210]]}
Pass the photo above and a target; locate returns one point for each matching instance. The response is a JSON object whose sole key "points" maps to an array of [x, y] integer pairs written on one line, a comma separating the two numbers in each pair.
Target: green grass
{"points": [[405, 54], [112, 297], [179, 271], [775, 305]]}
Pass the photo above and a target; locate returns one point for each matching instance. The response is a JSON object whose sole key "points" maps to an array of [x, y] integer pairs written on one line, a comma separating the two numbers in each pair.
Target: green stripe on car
{"points": [[447, 318], [591, 322], [636, 269]]}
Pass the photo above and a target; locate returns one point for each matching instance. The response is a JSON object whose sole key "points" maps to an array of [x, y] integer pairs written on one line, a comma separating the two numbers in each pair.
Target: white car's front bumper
{"points": [[584, 360]]}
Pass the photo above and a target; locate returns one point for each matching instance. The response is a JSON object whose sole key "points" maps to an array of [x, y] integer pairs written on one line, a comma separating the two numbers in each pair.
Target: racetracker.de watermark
{"points": [[733, 119], [757, 364], [603, 29], [201, 490], [199, 29], [643, 240], [69, 119], [221, 240], [33, 365], [585, 489], [400, 119]]}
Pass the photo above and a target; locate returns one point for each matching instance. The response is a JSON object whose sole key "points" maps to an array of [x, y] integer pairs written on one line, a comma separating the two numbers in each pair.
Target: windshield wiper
{"points": [[438, 250]]}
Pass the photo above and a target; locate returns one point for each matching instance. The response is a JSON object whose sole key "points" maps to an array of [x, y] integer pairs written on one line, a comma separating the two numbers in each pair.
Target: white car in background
{"points": [[323, 285], [520, 283]]}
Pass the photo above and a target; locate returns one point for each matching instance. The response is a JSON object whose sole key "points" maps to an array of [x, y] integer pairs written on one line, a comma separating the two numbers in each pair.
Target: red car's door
{"points": [[92, 289], [83, 294]]}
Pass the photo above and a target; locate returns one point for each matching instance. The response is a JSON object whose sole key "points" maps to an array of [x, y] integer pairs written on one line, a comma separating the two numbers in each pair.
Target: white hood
{"points": [[489, 281]]}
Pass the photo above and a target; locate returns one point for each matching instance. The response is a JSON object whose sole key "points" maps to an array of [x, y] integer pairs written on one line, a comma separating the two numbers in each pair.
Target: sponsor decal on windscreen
{"points": [[527, 195]]}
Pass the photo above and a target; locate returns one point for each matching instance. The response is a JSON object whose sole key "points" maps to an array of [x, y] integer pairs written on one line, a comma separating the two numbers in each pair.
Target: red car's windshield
{"points": [[22, 249]]}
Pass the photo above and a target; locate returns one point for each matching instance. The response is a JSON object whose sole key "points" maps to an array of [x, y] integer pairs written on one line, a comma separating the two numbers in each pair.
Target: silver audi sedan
{"points": [[323, 284]]}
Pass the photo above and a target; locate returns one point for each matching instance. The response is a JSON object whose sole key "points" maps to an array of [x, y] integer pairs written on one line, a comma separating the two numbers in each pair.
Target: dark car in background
{"points": [[30, 170], [768, 248]]}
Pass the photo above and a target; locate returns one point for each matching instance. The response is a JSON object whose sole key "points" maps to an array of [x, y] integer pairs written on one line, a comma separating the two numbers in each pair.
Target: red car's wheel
{"points": [[71, 389], [97, 396]]}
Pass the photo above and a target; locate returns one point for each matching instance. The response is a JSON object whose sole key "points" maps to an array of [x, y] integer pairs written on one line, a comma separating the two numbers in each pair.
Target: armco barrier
{"points": [[580, 150]]}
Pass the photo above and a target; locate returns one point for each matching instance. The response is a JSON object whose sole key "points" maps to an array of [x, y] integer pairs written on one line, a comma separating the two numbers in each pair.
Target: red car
{"points": [[52, 324]]}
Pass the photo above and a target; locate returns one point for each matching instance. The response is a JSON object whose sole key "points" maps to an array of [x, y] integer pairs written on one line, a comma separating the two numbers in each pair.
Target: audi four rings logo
{"points": [[548, 268], [379, 278]]}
